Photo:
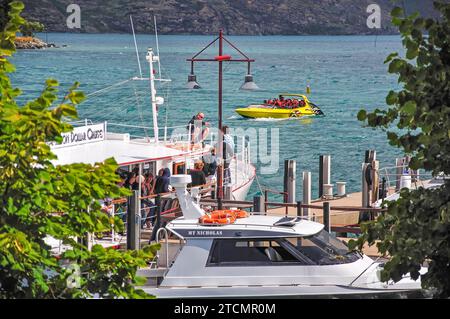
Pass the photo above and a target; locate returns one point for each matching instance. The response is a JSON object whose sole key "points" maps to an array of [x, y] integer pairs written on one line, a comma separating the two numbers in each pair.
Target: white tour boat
{"points": [[92, 143]]}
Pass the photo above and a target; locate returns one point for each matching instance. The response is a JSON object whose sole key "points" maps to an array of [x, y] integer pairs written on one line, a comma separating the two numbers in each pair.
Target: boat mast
{"points": [[152, 58]]}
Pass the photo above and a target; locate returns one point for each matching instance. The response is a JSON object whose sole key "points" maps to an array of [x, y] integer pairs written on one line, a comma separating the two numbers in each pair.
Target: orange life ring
{"points": [[237, 214], [206, 220], [223, 217], [218, 218]]}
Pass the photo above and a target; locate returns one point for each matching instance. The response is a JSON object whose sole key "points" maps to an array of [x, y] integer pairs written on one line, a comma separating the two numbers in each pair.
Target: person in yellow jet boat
{"points": [[285, 106]]}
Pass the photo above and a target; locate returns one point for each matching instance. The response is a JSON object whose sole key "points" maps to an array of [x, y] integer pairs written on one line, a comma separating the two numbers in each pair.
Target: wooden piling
{"points": [[324, 172], [326, 217], [299, 209], [259, 205], [290, 180], [306, 191]]}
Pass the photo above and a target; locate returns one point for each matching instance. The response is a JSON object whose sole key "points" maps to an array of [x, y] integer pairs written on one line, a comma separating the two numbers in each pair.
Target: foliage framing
{"points": [[416, 228], [34, 193]]}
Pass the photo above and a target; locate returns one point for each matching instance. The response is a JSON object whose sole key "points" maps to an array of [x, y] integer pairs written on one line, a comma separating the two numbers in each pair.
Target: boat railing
{"points": [[170, 134], [84, 122], [390, 177]]}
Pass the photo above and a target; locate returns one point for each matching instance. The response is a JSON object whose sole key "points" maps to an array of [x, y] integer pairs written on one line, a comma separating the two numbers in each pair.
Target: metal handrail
{"points": [[166, 236]]}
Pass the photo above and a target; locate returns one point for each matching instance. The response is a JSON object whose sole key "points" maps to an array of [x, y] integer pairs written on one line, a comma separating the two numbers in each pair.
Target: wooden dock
{"points": [[338, 217]]}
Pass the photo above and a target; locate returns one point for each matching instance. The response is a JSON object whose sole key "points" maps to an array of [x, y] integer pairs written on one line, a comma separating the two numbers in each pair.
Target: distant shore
{"points": [[32, 43]]}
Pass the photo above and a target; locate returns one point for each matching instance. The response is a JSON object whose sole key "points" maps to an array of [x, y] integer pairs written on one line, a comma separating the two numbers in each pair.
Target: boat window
{"points": [[325, 249], [230, 252]]}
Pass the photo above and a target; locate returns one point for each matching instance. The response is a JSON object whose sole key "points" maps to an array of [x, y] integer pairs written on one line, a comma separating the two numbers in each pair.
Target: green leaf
{"points": [[390, 57], [362, 115], [409, 108], [397, 12], [392, 98], [396, 65]]}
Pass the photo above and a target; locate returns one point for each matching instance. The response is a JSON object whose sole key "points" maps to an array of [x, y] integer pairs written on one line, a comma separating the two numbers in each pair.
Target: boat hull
{"points": [[254, 112], [292, 292]]}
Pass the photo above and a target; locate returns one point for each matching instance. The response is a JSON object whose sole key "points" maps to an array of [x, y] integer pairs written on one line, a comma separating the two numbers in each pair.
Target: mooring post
{"points": [[306, 192], [365, 196], [258, 205], [289, 180], [324, 173], [375, 181], [383, 189], [326, 217], [299, 209], [266, 200], [133, 222], [321, 176], [365, 186]]}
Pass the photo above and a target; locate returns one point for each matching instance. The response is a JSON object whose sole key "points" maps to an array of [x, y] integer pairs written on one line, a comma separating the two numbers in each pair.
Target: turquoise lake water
{"points": [[346, 73]]}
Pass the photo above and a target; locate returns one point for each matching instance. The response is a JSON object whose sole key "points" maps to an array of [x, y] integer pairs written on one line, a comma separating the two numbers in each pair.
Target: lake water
{"points": [[346, 73]]}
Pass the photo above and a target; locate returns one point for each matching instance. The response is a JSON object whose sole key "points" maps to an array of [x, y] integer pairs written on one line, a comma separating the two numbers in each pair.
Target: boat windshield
{"points": [[325, 249], [320, 249]]}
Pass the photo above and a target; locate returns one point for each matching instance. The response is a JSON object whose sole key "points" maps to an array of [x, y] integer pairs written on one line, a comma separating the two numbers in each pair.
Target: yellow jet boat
{"points": [[286, 106]]}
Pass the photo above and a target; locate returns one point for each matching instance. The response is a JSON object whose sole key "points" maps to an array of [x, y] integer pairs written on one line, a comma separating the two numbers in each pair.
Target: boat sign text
{"points": [[205, 233], [82, 135]]}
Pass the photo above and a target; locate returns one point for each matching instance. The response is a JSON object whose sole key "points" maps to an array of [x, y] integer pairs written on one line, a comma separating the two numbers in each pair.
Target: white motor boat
{"points": [[261, 256]]}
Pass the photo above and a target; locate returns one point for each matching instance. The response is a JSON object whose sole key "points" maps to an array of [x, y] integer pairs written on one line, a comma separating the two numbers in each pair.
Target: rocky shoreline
{"points": [[30, 43]]}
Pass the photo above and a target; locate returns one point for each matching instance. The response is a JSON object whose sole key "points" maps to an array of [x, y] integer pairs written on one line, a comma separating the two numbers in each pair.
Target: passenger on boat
{"points": [[108, 207], [197, 125], [197, 174], [210, 164], [134, 179], [228, 147], [162, 185]]}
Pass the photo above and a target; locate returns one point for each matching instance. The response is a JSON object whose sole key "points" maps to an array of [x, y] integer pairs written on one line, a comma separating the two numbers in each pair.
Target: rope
{"points": [[138, 104], [259, 184], [108, 88]]}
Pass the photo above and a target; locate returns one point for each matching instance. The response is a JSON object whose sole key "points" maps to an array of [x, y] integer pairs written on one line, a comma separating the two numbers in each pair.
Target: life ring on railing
{"points": [[218, 218], [237, 214], [223, 217]]}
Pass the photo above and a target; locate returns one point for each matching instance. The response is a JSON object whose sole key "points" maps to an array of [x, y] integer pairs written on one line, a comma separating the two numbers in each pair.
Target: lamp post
{"points": [[221, 58]]}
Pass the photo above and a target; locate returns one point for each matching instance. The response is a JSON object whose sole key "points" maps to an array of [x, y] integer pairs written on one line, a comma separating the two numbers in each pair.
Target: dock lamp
{"points": [[248, 85], [192, 80]]}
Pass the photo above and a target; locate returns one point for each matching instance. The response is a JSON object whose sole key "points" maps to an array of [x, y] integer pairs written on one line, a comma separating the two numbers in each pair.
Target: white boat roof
{"points": [[123, 151], [255, 226]]}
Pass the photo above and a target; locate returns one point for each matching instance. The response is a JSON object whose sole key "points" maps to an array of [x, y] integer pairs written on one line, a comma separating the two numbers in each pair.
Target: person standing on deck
{"points": [[162, 185], [228, 147], [196, 128]]}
